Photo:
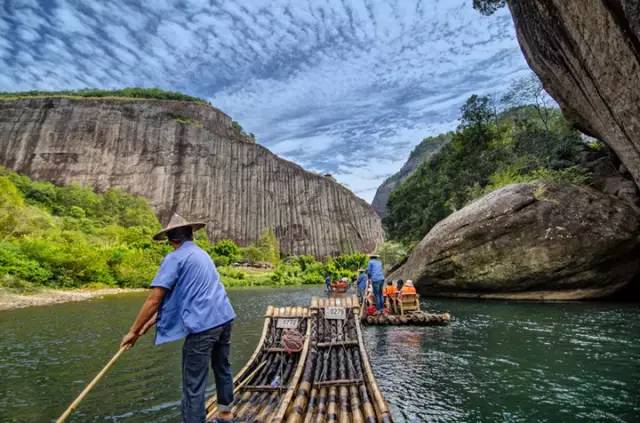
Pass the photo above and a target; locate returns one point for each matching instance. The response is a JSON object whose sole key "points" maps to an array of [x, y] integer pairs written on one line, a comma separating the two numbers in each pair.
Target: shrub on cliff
{"points": [[133, 92]]}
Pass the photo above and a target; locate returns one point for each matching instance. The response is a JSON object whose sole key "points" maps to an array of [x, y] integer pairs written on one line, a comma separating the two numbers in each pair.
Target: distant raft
{"points": [[418, 318], [310, 365]]}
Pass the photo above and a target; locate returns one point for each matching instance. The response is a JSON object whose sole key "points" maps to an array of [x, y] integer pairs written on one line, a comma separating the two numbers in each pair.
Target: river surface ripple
{"points": [[498, 361]]}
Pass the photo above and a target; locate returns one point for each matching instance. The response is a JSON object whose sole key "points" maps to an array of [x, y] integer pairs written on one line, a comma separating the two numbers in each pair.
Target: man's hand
{"points": [[148, 324], [129, 340]]}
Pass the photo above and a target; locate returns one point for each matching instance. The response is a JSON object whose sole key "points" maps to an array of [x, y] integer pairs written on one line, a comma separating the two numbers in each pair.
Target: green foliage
{"points": [[133, 92], [71, 236], [487, 151], [227, 248], [392, 253], [268, 247], [488, 7]]}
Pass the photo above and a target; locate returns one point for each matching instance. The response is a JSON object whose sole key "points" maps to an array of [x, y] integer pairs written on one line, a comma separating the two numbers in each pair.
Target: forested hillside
{"points": [[487, 151]]}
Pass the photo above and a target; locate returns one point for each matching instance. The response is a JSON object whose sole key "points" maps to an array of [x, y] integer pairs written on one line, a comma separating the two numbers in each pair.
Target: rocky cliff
{"points": [[423, 152], [587, 54], [188, 158]]}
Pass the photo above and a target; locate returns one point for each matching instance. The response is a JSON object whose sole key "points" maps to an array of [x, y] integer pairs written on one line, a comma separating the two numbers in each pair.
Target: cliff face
{"points": [[423, 152], [186, 158], [587, 54]]}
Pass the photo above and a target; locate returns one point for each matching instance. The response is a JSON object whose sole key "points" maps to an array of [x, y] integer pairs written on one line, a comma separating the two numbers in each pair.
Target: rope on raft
{"points": [[292, 340]]}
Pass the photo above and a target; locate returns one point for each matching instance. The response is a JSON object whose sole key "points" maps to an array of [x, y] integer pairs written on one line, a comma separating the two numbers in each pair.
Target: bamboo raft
{"points": [[329, 379], [418, 318]]}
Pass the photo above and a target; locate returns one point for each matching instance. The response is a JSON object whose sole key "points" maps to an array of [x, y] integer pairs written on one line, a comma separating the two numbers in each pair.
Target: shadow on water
{"points": [[498, 361]]}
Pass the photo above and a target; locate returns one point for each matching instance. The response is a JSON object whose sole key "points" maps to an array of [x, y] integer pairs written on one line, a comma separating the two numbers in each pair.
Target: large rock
{"points": [[188, 158], [587, 54], [532, 241]]}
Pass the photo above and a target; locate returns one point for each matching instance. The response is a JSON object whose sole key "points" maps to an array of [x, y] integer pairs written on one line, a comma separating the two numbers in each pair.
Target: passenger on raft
{"points": [[391, 293], [399, 285], [362, 283], [408, 288], [376, 275], [187, 300]]}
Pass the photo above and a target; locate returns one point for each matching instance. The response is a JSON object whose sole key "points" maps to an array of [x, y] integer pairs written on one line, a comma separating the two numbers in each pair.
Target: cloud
{"points": [[341, 87]]}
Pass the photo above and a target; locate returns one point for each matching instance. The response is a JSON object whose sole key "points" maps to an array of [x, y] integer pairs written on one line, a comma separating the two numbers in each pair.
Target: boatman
{"points": [[188, 300], [376, 275], [362, 283]]}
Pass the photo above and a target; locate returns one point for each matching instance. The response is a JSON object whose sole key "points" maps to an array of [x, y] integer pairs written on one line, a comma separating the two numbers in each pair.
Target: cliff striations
{"points": [[187, 158], [587, 54]]}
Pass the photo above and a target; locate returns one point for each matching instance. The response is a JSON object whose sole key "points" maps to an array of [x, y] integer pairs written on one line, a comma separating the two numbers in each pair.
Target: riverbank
{"points": [[11, 299]]}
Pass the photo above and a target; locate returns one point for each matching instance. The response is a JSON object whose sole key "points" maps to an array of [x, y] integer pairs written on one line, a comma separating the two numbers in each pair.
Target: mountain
{"points": [[185, 157], [423, 152]]}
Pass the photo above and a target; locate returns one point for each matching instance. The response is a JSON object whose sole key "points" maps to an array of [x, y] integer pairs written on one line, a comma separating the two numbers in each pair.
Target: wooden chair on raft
{"points": [[408, 303]]}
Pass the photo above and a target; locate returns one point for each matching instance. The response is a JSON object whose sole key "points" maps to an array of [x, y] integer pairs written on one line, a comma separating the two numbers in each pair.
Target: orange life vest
{"points": [[390, 291], [408, 290]]}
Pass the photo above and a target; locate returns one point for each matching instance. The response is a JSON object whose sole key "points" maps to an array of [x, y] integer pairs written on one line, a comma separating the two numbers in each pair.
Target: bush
{"points": [[226, 248]]}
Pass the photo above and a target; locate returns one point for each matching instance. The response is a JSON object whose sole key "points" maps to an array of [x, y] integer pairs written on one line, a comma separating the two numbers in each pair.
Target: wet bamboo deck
{"points": [[330, 379]]}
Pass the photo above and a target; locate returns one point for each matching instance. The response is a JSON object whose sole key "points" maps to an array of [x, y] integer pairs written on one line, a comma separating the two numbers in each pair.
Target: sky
{"points": [[347, 87]]}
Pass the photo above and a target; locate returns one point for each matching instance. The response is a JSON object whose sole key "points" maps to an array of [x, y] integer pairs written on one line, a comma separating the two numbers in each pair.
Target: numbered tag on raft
{"points": [[287, 324], [335, 313]]}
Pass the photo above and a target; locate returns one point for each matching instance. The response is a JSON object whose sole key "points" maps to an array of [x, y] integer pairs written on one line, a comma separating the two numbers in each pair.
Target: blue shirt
{"points": [[327, 281], [195, 299], [374, 270], [362, 281]]}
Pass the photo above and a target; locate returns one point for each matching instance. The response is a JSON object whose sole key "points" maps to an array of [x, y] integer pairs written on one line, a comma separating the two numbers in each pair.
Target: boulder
{"points": [[532, 241]]}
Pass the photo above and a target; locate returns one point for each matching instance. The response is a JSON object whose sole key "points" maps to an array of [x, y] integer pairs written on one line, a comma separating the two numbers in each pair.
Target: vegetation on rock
{"points": [[133, 92], [525, 142], [70, 236]]}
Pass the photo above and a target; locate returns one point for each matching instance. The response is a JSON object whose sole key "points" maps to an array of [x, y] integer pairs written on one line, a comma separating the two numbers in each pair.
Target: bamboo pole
{"points": [[90, 386]]}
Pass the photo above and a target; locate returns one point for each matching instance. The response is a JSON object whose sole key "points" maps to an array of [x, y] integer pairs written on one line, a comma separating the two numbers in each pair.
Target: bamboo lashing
{"points": [[90, 386]]}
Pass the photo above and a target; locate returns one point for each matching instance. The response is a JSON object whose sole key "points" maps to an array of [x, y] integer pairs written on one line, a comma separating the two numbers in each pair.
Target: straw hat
{"points": [[409, 282], [177, 221], [374, 255]]}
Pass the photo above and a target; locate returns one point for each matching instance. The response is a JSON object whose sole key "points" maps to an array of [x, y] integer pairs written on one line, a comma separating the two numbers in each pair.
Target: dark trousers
{"points": [[377, 293], [199, 349]]}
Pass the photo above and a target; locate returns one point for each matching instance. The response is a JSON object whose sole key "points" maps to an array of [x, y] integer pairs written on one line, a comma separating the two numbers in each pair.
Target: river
{"points": [[498, 361]]}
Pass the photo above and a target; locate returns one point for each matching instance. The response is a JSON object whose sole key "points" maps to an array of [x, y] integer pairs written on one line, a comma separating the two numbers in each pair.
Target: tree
{"points": [[477, 112], [529, 91], [488, 7]]}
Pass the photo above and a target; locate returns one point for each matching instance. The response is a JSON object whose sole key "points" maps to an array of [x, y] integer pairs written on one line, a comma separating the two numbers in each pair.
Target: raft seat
{"points": [[409, 303]]}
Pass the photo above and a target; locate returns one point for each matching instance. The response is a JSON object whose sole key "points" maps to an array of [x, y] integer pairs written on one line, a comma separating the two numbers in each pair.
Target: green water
{"points": [[498, 361]]}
